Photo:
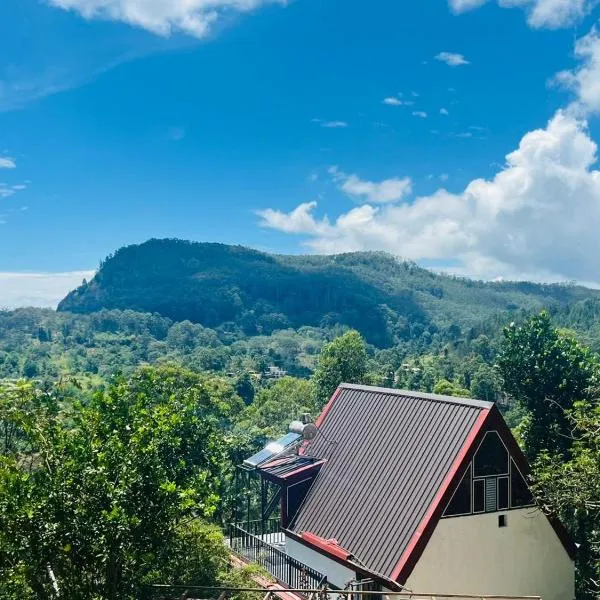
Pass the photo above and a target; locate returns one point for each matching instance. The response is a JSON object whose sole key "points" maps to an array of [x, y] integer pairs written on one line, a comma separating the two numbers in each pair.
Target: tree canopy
{"points": [[97, 500], [546, 370], [344, 360]]}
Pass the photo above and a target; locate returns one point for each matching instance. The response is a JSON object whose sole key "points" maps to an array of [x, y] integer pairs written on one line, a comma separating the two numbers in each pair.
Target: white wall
{"points": [[337, 574], [472, 555]]}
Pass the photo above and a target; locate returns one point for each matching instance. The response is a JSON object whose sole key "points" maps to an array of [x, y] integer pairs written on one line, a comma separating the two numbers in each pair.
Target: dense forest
{"points": [[230, 310], [246, 292], [123, 414]]}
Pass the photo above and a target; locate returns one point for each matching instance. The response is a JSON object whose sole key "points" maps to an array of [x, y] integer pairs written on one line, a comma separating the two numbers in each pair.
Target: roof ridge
{"points": [[483, 404]]}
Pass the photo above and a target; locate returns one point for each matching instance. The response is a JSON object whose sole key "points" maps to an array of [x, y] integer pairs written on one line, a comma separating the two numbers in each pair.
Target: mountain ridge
{"points": [[384, 297]]}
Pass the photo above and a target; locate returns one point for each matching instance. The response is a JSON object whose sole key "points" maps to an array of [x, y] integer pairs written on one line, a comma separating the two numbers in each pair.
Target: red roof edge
{"points": [[328, 406], [330, 546], [419, 540], [322, 416]]}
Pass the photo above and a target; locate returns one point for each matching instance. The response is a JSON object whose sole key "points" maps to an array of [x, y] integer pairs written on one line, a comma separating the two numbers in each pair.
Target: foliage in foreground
{"points": [[554, 379], [571, 488], [546, 371], [103, 498]]}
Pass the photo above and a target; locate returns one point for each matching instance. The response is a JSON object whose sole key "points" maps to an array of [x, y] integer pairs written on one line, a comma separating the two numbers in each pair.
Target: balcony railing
{"points": [[268, 530], [284, 568]]}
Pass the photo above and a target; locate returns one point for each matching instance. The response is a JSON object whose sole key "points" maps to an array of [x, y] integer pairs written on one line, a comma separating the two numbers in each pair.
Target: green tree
{"points": [[571, 488], [94, 501], [485, 384], [546, 370], [245, 388], [276, 406], [344, 360], [448, 388]]}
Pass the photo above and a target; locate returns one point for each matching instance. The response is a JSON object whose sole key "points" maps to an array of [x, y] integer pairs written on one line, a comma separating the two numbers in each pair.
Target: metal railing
{"points": [[269, 529], [284, 568], [175, 592]]}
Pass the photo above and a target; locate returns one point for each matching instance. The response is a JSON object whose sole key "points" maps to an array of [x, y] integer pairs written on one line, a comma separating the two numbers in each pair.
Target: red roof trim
{"points": [[419, 540], [328, 406], [329, 546], [350, 564], [322, 416]]}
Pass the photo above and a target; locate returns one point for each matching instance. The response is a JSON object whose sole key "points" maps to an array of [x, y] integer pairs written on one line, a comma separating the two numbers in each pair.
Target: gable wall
{"points": [[472, 555]]}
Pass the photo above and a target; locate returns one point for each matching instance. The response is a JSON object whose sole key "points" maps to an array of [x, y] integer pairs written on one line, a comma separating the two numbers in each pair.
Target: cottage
{"points": [[404, 491]]}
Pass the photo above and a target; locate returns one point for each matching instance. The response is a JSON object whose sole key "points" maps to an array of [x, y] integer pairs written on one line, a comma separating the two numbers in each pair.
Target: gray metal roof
{"points": [[388, 453], [284, 466]]}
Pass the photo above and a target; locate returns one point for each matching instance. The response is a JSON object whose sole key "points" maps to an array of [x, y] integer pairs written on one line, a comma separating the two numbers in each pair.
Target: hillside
{"points": [[239, 289]]}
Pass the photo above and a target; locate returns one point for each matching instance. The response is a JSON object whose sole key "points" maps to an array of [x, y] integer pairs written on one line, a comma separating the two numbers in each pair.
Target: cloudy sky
{"points": [[456, 133]]}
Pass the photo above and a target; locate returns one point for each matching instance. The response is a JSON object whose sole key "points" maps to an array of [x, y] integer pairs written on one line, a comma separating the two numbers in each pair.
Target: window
{"points": [[501, 520], [490, 495], [478, 495], [491, 457], [491, 482], [502, 493], [460, 504], [519, 490]]}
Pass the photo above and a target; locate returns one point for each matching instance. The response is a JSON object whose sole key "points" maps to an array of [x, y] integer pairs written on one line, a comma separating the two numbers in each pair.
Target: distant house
{"points": [[404, 491], [274, 372]]}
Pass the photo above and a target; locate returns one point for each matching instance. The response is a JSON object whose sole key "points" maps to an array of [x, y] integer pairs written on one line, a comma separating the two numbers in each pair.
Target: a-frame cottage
{"points": [[405, 491]]}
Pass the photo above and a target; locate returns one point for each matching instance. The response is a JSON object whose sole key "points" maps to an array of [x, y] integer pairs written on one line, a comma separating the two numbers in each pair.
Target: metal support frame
{"points": [[258, 496]]}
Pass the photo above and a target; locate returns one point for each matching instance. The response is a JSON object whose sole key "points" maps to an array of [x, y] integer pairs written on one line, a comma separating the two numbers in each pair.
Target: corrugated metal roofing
{"points": [[388, 453], [284, 466]]}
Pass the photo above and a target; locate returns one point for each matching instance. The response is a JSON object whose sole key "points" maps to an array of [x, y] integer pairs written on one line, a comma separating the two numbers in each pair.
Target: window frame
{"points": [[508, 456], [481, 480], [469, 471], [476, 481], [507, 478]]}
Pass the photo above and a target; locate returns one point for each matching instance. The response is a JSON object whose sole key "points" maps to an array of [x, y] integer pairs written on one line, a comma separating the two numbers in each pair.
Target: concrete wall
{"points": [[472, 555], [337, 574]]}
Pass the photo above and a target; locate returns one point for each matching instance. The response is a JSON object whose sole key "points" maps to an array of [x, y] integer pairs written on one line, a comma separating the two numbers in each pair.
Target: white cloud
{"points": [[300, 220], [162, 17], [552, 14], [585, 80], [419, 113], [330, 124], [531, 220], [444, 111], [38, 289], [393, 101], [459, 6], [7, 163], [383, 192], [452, 59]]}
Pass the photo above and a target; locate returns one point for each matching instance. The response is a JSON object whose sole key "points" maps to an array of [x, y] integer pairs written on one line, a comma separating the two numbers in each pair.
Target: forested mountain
{"points": [[242, 290]]}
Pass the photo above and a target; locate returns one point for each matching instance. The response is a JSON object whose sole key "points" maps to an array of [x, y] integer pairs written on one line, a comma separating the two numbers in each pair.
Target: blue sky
{"points": [[306, 126]]}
